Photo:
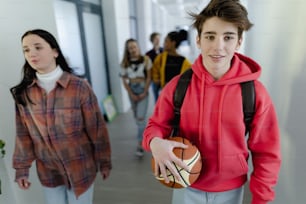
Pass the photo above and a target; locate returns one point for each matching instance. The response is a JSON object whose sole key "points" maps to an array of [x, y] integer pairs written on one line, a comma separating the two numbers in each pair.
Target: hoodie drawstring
{"points": [[201, 109], [220, 125]]}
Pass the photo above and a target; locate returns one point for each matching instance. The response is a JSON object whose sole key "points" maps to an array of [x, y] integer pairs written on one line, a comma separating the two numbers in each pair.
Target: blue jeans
{"points": [[155, 89], [139, 108], [194, 196], [62, 195]]}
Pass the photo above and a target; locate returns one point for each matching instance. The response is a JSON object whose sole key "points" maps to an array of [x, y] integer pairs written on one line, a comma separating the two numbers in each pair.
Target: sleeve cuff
{"points": [[258, 201], [105, 165], [21, 173]]}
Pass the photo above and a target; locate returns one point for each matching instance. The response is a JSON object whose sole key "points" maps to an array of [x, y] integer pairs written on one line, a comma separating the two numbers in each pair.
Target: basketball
{"points": [[190, 156]]}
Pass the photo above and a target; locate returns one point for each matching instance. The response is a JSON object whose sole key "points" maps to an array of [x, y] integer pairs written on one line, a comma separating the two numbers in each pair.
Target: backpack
{"points": [[248, 100]]}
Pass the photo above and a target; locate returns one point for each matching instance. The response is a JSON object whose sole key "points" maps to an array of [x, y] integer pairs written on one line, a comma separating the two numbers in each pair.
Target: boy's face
{"points": [[156, 40], [218, 42]]}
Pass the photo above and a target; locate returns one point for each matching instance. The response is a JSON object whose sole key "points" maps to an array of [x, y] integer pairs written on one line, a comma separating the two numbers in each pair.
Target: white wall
{"points": [[117, 30], [144, 11], [277, 42], [159, 20], [17, 16]]}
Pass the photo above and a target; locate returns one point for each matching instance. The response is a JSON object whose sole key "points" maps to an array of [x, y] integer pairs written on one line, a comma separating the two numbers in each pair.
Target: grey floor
{"points": [[131, 180]]}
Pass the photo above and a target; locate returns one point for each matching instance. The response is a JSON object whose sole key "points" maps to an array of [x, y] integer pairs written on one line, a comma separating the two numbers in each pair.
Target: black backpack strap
{"points": [[248, 101], [178, 99]]}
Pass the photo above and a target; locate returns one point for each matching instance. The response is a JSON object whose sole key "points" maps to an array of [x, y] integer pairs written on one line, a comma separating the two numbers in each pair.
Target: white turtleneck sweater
{"points": [[48, 80]]}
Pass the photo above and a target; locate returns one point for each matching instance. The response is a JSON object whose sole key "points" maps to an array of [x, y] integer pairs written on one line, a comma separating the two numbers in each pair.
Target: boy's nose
{"points": [[219, 43]]}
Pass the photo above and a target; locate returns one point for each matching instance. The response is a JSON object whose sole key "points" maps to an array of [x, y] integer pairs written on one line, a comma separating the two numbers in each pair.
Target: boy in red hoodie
{"points": [[212, 116]]}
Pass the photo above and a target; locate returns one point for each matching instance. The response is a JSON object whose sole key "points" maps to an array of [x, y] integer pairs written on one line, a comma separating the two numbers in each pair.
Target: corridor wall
{"points": [[15, 18], [277, 42]]}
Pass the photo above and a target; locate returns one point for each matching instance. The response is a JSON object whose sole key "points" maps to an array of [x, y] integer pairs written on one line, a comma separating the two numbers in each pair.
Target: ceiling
{"points": [[180, 8]]}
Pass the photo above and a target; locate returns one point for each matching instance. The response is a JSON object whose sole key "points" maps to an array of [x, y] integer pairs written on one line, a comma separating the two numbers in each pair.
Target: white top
{"points": [[47, 81], [136, 70]]}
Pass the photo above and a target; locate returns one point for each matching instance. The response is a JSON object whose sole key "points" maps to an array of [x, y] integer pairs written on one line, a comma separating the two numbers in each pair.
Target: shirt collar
{"points": [[63, 80]]}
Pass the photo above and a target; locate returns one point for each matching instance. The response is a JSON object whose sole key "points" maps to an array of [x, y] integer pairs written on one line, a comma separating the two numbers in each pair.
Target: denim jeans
{"points": [[194, 196], [139, 108], [155, 89], [62, 195]]}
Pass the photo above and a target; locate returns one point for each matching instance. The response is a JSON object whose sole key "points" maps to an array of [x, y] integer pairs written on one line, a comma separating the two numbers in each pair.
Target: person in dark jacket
{"points": [[156, 49]]}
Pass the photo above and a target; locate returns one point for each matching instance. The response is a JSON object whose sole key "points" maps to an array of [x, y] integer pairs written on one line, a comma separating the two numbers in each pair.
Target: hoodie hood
{"points": [[242, 69]]}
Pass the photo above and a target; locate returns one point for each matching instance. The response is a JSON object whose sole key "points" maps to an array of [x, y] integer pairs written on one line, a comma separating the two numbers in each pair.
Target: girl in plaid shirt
{"points": [[58, 125]]}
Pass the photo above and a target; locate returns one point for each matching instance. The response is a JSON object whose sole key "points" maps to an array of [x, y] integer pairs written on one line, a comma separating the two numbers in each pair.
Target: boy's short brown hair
{"points": [[153, 35], [228, 10]]}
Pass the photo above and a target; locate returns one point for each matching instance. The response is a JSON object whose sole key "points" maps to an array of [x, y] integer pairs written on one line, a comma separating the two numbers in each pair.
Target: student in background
{"points": [[212, 117], [59, 125], [156, 49], [169, 63], [136, 78]]}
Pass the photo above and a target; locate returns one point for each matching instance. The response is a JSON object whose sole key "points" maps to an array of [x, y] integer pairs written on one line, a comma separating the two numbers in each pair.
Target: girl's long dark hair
{"points": [[19, 91], [178, 36]]}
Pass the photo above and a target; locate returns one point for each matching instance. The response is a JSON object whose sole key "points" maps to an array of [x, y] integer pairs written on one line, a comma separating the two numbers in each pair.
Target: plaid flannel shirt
{"points": [[64, 132]]}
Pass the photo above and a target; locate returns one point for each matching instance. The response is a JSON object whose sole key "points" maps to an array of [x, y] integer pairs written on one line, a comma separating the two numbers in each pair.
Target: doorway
{"points": [[80, 33]]}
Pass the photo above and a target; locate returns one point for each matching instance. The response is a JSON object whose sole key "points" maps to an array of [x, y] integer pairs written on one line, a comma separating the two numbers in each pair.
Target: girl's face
{"points": [[169, 45], [39, 53], [218, 42], [133, 50]]}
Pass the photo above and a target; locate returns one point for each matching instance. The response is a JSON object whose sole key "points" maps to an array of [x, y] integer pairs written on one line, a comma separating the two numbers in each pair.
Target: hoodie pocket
{"points": [[233, 166]]}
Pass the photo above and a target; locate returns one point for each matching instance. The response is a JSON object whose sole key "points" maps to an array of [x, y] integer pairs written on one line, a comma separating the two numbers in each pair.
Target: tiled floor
{"points": [[131, 180]]}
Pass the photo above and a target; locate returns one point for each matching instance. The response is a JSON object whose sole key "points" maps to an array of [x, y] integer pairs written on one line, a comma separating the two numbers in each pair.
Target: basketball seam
{"points": [[186, 183], [196, 158]]}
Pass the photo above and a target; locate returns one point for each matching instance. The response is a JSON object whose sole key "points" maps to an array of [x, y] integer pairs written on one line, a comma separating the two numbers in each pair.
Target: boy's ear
{"points": [[239, 43], [198, 41]]}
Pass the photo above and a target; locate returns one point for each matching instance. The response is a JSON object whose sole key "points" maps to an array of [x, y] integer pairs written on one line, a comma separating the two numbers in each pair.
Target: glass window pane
{"points": [[69, 35]]}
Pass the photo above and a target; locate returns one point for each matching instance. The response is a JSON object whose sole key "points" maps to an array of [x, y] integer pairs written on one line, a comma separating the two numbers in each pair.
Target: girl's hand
{"points": [[24, 183], [134, 97], [105, 173], [142, 95]]}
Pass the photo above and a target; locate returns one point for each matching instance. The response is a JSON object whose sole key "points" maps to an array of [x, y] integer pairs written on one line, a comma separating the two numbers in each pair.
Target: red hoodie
{"points": [[212, 118]]}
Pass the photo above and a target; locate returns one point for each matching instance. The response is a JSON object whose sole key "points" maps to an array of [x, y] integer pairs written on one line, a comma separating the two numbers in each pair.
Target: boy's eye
{"points": [[210, 37], [25, 50], [227, 38]]}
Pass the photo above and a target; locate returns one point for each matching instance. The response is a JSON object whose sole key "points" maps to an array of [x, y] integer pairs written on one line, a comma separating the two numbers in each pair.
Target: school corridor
{"points": [[92, 34]]}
